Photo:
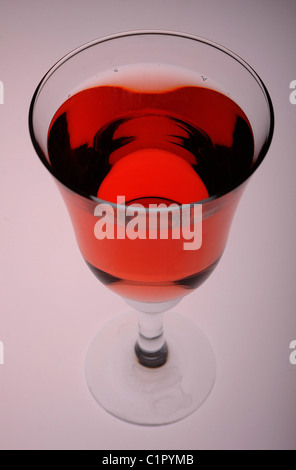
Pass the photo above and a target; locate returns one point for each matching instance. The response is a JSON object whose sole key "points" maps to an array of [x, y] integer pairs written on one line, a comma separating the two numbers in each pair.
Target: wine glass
{"points": [[151, 137]]}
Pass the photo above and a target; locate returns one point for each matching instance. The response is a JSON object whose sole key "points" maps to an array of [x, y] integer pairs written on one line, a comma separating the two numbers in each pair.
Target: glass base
{"points": [[150, 396]]}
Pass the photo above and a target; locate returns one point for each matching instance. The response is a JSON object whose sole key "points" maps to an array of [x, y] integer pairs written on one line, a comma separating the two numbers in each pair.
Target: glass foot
{"points": [[150, 396]]}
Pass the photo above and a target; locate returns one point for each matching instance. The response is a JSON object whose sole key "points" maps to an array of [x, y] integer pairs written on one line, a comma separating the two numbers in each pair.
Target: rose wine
{"points": [[181, 145]]}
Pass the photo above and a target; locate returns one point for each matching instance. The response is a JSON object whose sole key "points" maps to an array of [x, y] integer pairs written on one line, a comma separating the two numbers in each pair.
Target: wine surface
{"points": [[184, 144]]}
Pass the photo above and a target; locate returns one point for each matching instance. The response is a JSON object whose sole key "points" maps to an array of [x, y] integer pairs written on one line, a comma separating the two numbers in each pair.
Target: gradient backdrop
{"points": [[51, 305]]}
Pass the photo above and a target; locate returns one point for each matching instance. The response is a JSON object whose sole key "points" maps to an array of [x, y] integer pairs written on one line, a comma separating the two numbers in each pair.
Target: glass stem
{"points": [[151, 348]]}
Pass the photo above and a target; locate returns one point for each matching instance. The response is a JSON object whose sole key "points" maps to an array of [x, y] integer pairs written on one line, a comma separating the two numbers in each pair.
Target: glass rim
{"points": [[146, 32]]}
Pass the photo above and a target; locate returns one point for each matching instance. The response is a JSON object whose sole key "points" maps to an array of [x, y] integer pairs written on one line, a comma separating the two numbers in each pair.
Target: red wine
{"points": [[179, 145]]}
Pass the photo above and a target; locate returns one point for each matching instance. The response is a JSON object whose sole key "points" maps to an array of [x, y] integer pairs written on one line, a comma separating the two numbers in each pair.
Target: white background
{"points": [[51, 305]]}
